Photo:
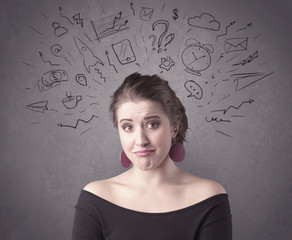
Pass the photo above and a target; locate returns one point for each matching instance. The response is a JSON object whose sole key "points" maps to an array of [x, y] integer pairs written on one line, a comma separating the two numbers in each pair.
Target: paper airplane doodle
{"points": [[89, 59], [244, 80], [38, 106]]}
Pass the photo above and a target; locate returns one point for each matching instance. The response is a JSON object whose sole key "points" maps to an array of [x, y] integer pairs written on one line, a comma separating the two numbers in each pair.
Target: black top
{"points": [[98, 219]]}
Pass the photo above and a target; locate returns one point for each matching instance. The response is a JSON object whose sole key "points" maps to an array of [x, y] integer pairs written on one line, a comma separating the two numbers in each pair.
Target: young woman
{"points": [[154, 198]]}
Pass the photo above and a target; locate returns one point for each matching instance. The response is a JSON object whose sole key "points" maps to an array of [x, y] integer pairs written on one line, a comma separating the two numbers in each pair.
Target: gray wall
{"points": [[45, 161]]}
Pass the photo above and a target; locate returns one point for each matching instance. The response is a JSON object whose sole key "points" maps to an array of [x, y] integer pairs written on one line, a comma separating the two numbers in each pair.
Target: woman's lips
{"points": [[144, 153]]}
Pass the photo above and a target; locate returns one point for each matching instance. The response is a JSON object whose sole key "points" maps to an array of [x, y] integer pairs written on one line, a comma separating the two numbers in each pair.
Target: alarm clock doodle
{"points": [[196, 56]]}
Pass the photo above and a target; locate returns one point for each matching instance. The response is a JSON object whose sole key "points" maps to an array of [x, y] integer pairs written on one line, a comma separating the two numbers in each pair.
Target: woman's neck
{"points": [[163, 174]]}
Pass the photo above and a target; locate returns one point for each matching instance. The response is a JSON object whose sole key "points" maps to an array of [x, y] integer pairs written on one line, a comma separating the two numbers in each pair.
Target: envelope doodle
{"points": [[146, 13], [235, 44]]}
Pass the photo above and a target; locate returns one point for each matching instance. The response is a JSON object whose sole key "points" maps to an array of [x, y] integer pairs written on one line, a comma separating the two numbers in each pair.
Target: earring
{"points": [[177, 152], [124, 160]]}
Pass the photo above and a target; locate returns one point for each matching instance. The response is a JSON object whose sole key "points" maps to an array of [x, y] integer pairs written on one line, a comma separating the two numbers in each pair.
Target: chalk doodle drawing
{"points": [[52, 78], [205, 21], [57, 51], [213, 71], [131, 5], [60, 10], [70, 101], [194, 89], [109, 62], [77, 122], [226, 30], [124, 52], [224, 111], [175, 12], [247, 60], [81, 79], [196, 56], [110, 25], [169, 38], [38, 106], [89, 59], [244, 80], [235, 44], [166, 63], [47, 61], [78, 19], [58, 29], [146, 13]]}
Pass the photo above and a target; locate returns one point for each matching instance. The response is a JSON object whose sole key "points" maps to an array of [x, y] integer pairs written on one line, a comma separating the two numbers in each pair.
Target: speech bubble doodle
{"points": [[194, 89]]}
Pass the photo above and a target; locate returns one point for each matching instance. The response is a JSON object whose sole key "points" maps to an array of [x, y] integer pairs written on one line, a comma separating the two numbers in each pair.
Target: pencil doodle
{"points": [[124, 51], [34, 29], [248, 25], [38, 106], [166, 63], [226, 30], [225, 134], [233, 107], [70, 101], [60, 10], [244, 80], [153, 41], [205, 21], [170, 36], [100, 74], [85, 131], [146, 13], [247, 60], [109, 62], [89, 59], [196, 56], [81, 79], [77, 19], [131, 5], [235, 44], [58, 29], [110, 25], [56, 50], [175, 16], [215, 119], [194, 89], [44, 15], [47, 61], [77, 122], [52, 78]]}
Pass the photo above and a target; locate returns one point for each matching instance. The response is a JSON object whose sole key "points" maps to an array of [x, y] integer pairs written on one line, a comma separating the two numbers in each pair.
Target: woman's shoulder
{"points": [[103, 188], [202, 188]]}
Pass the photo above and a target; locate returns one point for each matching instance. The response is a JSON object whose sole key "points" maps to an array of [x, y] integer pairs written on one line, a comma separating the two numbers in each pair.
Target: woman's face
{"points": [[145, 133]]}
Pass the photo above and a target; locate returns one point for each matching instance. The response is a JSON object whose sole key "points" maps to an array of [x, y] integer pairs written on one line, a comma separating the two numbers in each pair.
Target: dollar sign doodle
{"points": [[175, 11]]}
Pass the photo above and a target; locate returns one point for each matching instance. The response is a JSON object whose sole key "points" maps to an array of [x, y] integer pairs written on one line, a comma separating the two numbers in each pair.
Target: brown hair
{"points": [[154, 88]]}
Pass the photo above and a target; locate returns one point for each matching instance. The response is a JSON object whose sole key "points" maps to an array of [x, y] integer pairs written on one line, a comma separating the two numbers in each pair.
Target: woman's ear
{"points": [[175, 129]]}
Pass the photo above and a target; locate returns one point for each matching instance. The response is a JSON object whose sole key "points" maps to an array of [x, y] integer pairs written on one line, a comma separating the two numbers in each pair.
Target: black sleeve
{"points": [[86, 225], [217, 224]]}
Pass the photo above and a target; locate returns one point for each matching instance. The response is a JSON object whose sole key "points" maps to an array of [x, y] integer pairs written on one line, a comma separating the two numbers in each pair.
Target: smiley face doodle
{"points": [[196, 56], [194, 89]]}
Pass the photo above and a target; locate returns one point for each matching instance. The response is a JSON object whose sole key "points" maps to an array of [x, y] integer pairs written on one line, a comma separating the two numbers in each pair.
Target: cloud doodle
{"points": [[205, 21]]}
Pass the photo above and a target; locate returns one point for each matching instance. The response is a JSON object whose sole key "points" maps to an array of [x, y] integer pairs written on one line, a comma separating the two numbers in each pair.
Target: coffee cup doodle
{"points": [[71, 102]]}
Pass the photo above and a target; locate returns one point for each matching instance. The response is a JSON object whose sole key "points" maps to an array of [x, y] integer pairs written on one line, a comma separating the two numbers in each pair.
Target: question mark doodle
{"points": [[166, 24], [154, 41]]}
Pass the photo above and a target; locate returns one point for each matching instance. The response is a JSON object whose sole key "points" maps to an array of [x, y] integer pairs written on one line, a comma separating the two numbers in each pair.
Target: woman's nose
{"points": [[141, 138]]}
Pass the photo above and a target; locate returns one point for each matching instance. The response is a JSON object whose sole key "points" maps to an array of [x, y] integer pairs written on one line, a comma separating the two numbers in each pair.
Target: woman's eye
{"points": [[153, 125], [127, 128]]}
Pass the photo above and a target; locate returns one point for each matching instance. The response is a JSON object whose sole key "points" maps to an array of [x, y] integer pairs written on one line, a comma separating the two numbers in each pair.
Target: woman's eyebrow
{"points": [[152, 116], [126, 119]]}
